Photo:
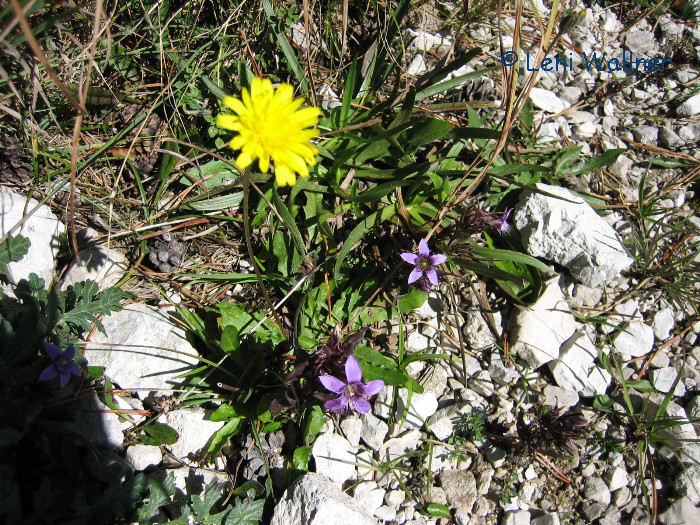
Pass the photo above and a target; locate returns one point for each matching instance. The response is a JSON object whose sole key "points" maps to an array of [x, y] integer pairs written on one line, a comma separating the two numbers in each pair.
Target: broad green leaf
{"points": [[301, 457], [426, 131], [389, 376], [349, 93], [230, 429], [224, 413], [312, 423], [159, 434], [230, 340], [643, 386], [412, 300], [223, 202]]}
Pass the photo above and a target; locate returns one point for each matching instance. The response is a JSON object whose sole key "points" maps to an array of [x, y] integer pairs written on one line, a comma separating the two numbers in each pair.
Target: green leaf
{"points": [[349, 93], [371, 221], [453, 82], [224, 413], [606, 159], [426, 131], [288, 221], [287, 49], [412, 300], [507, 255], [225, 433], [12, 250], [230, 341], [313, 422], [222, 202], [89, 303], [301, 457], [643, 386], [251, 489], [218, 91], [603, 402], [157, 434]]}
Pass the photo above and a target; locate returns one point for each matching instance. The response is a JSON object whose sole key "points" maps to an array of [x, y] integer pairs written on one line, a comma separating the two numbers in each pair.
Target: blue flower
{"points": [[352, 392], [63, 364], [424, 263]]}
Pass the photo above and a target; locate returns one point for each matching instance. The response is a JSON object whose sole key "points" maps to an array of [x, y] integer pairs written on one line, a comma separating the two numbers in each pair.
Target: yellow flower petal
{"points": [[285, 176], [271, 126], [226, 121]]}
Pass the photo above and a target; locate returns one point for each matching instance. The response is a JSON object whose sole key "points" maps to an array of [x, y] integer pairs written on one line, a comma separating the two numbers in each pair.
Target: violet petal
{"points": [[435, 260], [370, 389], [361, 405], [353, 372], [53, 351], [423, 248], [410, 258], [416, 274], [333, 384], [432, 275], [48, 373]]}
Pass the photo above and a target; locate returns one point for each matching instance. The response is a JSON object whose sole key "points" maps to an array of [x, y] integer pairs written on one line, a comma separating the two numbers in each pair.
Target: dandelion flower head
{"points": [[271, 127]]}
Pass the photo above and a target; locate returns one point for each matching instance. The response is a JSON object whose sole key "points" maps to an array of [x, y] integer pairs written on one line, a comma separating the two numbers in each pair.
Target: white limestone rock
{"points": [[575, 363], [369, 495], [43, 231], [143, 456], [635, 339], [143, 348], [194, 430], [663, 379], [663, 323], [100, 264], [443, 422], [374, 430], [570, 233], [616, 478], [352, 430], [418, 410], [690, 107], [547, 101], [334, 456], [312, 500], [539, 331], [688, 483], [398, 447]]}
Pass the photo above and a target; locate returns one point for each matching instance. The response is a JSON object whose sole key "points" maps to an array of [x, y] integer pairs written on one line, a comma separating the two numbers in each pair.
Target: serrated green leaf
{"points": [[88, 304], [12, 250]]}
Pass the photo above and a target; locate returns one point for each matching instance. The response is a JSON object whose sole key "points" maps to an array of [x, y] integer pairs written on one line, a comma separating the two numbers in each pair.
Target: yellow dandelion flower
{"points": [[271, 127]]}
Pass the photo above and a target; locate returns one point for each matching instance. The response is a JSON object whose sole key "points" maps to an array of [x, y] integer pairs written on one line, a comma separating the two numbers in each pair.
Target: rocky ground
{"points": [[523, 432]]}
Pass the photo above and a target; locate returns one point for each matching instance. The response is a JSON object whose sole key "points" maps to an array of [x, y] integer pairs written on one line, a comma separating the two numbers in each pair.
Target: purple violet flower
{"points": [[500, 223], [424, 263], [63, 364], [353, 392]]}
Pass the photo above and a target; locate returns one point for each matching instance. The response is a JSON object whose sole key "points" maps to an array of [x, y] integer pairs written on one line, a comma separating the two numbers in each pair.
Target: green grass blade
{"points": [[287, 49]]}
